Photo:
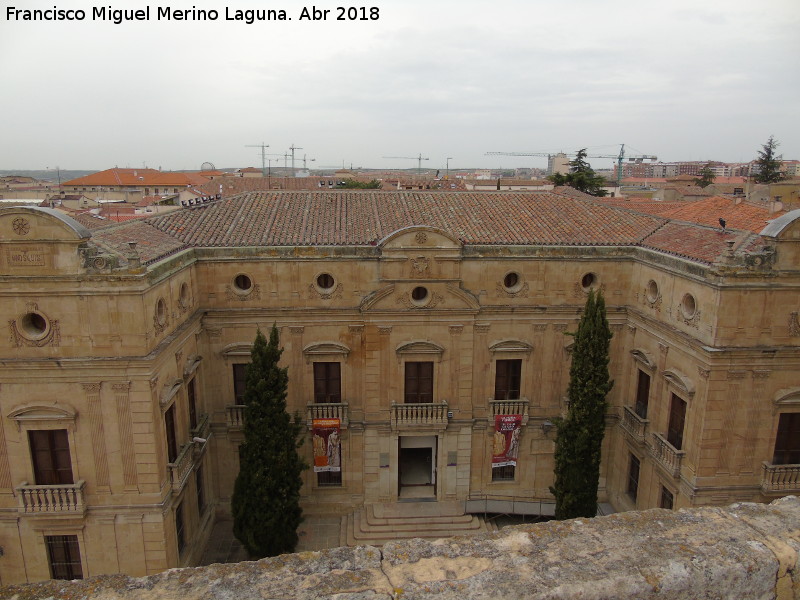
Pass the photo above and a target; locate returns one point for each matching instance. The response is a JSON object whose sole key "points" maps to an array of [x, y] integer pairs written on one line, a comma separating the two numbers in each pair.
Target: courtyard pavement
{"points": [[317, 532]]}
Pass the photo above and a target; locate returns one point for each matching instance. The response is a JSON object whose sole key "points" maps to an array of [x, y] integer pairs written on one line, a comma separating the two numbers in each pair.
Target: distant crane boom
{"points": [[263, 147], [618, 157], [419, 160]]}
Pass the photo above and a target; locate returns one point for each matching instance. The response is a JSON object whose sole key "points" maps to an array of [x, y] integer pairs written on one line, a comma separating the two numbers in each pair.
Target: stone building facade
{"points": [[415, 320]]}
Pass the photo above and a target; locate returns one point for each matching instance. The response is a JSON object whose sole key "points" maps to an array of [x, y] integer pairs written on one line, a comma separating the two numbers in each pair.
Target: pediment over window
{"points": [[438, 296], [420, 347], [237, 349], [192, 363], [42, 412], [680, 381], [516, 346], [169, 390], [420, 236], [644, 357], [788, 397], [326, 348]]}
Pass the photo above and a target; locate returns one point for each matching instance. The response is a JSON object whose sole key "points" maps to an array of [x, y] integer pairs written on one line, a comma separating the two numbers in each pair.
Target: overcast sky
{"points": [[680, 79]]}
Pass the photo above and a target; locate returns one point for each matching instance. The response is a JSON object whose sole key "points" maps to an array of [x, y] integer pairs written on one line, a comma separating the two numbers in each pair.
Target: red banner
{"points": [[326, 444], [505, 443]]}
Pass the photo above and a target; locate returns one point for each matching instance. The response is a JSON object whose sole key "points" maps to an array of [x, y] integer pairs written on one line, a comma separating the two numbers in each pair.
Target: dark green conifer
{"points": [[580, 435], [266, 496]]}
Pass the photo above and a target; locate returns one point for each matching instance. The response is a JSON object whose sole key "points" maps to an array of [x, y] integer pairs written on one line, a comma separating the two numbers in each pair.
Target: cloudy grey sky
{"points": [[682, 79]]}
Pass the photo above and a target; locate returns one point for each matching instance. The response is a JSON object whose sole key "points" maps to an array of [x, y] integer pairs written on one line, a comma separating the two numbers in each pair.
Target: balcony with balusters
{"points": [[780, 479], [518, 406], [634, 425], [52, 500], [328, 410], [421, 415], [666, 455]]}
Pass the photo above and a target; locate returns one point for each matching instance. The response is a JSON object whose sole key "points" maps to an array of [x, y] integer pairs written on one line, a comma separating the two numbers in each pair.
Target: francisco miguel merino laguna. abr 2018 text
{"points": [[167, 13]]}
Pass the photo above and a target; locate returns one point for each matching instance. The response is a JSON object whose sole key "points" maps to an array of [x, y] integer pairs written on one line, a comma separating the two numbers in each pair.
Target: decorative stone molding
{"points": [[254, 293], [680, 381], [663, 349], [191, 365], [703, 372], [482, 327], [296, 329], [420, 264], [794, 324], [52, 336], [91, 388], [21, 226], [214, 333], [761, 374], [519, 292], [124, 386], [386, 330], [420, 347], [456, 329], [560, 327], [34, 413], [325, 349], [421, 237], [316, 292], [644, 358], [408, 302], [168, 392], [355, 329], [736, 374], [654, 303], [693, 321], [515, 346], [787, 397], [540, 328], [631, 329]]}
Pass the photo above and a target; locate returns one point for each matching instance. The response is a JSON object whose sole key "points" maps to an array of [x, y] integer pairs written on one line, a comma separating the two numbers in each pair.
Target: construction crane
{"points": [[419, 160], [619, 157], [263, 147]]}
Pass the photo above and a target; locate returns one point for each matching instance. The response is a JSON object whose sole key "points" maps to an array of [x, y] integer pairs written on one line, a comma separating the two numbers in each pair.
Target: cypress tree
{"points": [[769, 163], [580, 435], [266, 496]]}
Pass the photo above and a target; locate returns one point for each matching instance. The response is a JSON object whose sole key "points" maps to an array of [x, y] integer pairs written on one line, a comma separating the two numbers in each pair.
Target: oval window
{"points": [[34, 325], [325, 281], [242, 282], [588, 281], [511, 280], [419, 294], [688, 306]]}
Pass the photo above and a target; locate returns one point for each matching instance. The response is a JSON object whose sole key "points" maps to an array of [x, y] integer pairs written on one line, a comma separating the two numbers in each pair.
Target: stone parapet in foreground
{"points": [[742, 551]]}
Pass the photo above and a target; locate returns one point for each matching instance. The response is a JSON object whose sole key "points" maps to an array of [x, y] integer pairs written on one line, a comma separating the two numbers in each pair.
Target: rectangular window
{"points": [[50, 456], [169, 426], [507, 379], [505, 473], [239, 378], [179, 528], [200, 491], [419, 382], [633, 478], [787, 442], [192, 395], [667, 499], [677, 418], [64, 556], [642, 394], [327, 382], [329, 479]]}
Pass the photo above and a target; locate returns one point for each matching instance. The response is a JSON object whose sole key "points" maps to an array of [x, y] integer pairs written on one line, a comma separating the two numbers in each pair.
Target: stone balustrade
{"points": [[509, 407], [780, 479], [203, 429], [424, 414], [634, 425], [181, 468], [52, 499], [235, 414], [667, 455], [328, 410]]}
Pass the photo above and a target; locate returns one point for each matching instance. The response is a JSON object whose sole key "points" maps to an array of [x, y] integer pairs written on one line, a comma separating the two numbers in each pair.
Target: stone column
{"points": [[97, 431]]}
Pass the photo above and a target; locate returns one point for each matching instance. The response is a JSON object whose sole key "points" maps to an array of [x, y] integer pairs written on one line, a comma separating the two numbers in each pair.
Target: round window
{"points": [[325, 281], [688, 306], [419, 294], [511, 280], [161, 311], [183, 296], [588, 281], [242, 283], [652, 291], [34, 325]]}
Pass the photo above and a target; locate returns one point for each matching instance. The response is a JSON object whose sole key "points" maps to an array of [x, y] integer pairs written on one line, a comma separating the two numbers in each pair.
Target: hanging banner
{"points": [[327, 445], [505, 443]]}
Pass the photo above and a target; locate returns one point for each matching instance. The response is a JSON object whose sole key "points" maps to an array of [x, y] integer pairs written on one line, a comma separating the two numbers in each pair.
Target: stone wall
{"points": [[743, 551]]}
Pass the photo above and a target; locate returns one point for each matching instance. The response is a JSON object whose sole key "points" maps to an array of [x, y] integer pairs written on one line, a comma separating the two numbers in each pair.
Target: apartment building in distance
{"points": [[414, 324]]}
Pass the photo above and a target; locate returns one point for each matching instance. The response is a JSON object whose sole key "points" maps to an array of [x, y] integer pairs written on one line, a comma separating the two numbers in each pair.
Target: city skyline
{"points": [[441, 79]]}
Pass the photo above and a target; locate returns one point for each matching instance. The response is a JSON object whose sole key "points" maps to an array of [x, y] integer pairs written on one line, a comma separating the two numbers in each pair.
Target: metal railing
{"points": [[666, 454], [424, 414], [633, 424], [780, 478], [64, 499], [328, 410]]}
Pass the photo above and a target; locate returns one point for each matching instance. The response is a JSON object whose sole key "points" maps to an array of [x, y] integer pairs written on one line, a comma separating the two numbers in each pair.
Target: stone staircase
{"points": [[376, 524]]}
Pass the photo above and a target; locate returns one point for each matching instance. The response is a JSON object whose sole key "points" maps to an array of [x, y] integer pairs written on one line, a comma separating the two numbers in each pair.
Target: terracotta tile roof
{"points": [[363, 218], [137, 178], [87, 219], [708, 211], [151, 243]]}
